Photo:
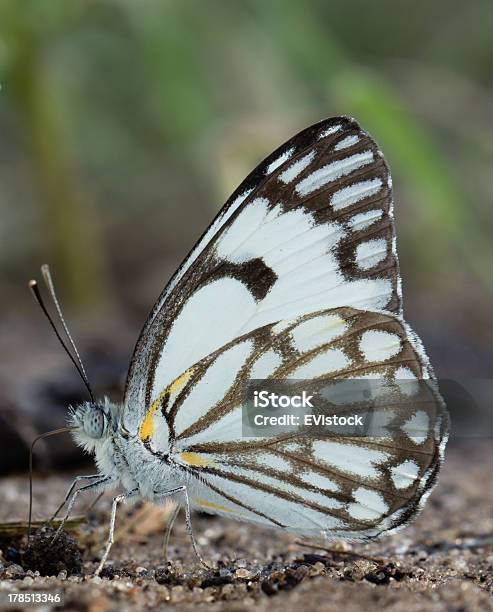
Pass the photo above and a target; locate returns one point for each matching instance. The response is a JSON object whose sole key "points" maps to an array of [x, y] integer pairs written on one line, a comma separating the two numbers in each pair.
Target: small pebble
{"points": [[316, 569], [141, 570], [243, 573], [62, 575]]}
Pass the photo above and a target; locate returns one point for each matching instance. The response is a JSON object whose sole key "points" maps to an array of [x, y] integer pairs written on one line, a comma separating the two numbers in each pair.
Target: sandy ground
{"points": [[443, 561]]}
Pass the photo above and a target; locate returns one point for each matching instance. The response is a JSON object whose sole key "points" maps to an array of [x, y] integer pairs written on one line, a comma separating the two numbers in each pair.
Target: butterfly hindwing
{"points": [[352, 486], [311, 228]]}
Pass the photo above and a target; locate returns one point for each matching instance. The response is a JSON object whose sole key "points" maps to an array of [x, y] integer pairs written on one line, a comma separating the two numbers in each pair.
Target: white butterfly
{"points": [[297, 277]]}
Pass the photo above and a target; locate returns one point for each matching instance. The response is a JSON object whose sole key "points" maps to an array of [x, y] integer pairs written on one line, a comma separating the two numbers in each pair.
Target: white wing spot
{"points": [[365, 220], [379, 345], [349, 457], [279, 161], [347, 196], [319, 481], [265, 365], [329, 131], [317, 331], [296, 168], [371, 253], [333, 171], [349, 141], [405, 474]]}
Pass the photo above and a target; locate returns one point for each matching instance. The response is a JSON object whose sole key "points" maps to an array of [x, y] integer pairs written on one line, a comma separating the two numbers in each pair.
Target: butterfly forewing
{"points": [[310, 228]]}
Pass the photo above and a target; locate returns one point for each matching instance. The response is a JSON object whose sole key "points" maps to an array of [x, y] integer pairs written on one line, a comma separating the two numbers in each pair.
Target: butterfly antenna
{"points": [[77, 361], [45, 435]]}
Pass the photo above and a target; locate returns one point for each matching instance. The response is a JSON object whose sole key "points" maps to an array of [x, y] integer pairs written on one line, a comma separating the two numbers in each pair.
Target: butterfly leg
{"points": [[69, 492], [188, 520], [116, 500], [73, 498], [169, 527]]}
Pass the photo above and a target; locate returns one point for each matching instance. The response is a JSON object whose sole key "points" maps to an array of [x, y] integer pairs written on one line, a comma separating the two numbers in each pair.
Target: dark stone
{"points": [[50, 558], [166, 575], [216, 580]]}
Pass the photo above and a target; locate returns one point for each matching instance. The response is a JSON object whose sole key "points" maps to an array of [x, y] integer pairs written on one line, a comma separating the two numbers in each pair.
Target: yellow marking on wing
{"points": [[196, 460], [204, 503], [181, 381], [148, 426]]}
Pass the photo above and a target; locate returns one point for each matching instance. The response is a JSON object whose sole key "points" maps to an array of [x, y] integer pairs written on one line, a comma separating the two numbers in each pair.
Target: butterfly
{"points": [[297, 277]]}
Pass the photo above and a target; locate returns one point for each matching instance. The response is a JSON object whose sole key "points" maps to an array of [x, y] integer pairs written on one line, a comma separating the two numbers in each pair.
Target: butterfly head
{"points": [[91, 423]]}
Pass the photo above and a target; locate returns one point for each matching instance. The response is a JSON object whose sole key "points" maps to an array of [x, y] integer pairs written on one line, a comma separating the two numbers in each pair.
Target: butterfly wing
{"points": [[324, 482], [311, 228]]}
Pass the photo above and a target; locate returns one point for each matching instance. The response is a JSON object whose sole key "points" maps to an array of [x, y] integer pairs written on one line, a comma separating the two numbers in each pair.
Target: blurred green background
{"points": [[125, 125]]}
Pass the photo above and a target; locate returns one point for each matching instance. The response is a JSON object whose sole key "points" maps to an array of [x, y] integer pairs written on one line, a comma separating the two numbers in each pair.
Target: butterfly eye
{"points": [[94, 423]]}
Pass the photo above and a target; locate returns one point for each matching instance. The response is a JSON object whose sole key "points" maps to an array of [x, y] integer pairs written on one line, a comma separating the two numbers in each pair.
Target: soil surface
{"points": [[443, 561]]}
